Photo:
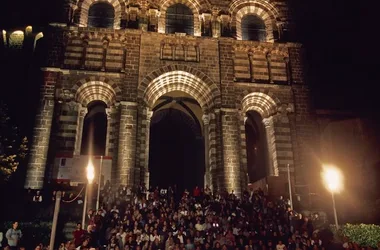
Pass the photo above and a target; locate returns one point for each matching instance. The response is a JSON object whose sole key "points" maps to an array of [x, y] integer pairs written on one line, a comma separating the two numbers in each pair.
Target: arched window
{"points": [[94, 129], [256, 147], [101, 15], [253, 28], [179, 19]]}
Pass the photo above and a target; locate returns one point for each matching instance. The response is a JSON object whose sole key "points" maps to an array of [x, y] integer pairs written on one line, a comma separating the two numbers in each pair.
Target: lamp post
{"points": [[333, 181], [90, 177], [99, 180]]}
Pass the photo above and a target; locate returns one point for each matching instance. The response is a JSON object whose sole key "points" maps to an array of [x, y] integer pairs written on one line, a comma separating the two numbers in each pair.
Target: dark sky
{"points": [[340, 38]]}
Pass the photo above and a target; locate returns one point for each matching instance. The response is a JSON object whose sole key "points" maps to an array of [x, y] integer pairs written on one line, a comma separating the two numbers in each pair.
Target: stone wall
{"points": [[130, 69]]}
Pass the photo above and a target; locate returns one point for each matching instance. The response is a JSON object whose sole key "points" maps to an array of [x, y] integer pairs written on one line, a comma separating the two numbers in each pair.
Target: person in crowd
{"points": [[79, 235], [14, 236]]}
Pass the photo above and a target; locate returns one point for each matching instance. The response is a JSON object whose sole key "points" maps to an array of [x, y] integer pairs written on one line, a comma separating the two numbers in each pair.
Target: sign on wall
{"points": [[73, 169]]}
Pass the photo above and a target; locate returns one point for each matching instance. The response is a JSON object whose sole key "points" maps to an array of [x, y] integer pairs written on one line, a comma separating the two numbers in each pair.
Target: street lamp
{"points": [[90, 171], [333, 180]]}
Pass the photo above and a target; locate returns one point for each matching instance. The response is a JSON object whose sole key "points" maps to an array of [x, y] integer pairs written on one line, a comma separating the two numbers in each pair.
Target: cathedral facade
{"points": [[230, 60]]}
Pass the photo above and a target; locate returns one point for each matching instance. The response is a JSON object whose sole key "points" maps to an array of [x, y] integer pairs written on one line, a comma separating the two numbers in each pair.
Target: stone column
{"points": [[272, 156], [251, 67], [108, 133], [41, 134], [125, 173], [206, 122], [269, 62], [82, 111], [231, 156], [288, 71], [147, 146]]}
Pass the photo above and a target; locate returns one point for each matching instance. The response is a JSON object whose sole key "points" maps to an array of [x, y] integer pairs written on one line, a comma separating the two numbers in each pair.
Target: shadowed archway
{"points": [[176, 155]]}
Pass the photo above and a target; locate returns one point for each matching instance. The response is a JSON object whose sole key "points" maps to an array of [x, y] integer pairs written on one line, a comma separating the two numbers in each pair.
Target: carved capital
{"points": [[206, 119], [108, 113], [149, 114], [267, 122], [82, 111]]}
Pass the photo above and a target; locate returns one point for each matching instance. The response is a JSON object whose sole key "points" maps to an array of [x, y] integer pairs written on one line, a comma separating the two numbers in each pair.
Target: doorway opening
{"points": [[176, 155], [256, 146], [94, 129]]}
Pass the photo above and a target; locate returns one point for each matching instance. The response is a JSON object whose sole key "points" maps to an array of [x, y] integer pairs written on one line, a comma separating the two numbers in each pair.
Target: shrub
{"points": [[363, 234]]}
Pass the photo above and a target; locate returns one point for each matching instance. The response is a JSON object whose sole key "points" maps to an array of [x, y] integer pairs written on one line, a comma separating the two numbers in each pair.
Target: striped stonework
{"points": [[95, 53], [263, 9], [41, 135], [67, 128], [283, 143], [84, 6], [267, 107], [213, 147], [271, 142], [95, 88], [81, 114], [231, 150], [179, 78], [262, 65], [142, 147], [243, 148], [127, 172]]}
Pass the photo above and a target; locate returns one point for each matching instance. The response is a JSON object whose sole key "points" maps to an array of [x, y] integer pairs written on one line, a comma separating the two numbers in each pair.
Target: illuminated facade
{"points": [[233, 58]]}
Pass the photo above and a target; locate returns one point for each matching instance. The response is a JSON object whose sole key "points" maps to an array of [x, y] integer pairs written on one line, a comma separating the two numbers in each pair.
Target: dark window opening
{"points": [[133, 24], [94, 129], [179, 19], [253, 28], [101, 15], [256, 147]]}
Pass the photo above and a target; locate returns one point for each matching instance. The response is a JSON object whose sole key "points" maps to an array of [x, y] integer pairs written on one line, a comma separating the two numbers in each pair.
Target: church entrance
{"points": [[176, 155]]}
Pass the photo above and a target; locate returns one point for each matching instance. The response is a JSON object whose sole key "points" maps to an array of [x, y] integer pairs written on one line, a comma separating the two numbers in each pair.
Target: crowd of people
{"points": [[199, 220], [166, 219]]}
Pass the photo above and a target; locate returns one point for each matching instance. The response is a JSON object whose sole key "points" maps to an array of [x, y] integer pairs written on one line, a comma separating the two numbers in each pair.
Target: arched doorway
{"points": [[94, 129], [176, 155], [256, 146]]}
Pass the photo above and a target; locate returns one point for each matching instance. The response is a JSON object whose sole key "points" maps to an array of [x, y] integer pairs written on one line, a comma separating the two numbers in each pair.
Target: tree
{"points": [[13, 147]]}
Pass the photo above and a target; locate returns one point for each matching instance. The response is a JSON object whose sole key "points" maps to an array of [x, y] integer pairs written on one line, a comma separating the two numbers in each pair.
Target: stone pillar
{"points": [[288, 71], [108, 133], [84, 54], [82, 111], [206, 122], [251, 67], [147, 146], [243, 150], [231, 156], [269, 62], [272, 156], [41, 134], [215, 24], [104, 58], [126, 170]]}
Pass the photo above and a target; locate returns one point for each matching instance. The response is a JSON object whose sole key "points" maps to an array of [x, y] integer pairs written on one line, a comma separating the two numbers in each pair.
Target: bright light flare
{"points": [[90, 172], [332, 178]]}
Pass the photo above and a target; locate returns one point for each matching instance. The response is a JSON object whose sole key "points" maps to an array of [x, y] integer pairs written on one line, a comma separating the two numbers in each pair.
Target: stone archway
{"points": [[178, 78], [84, 6], [266, 107], [263, 9]]}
